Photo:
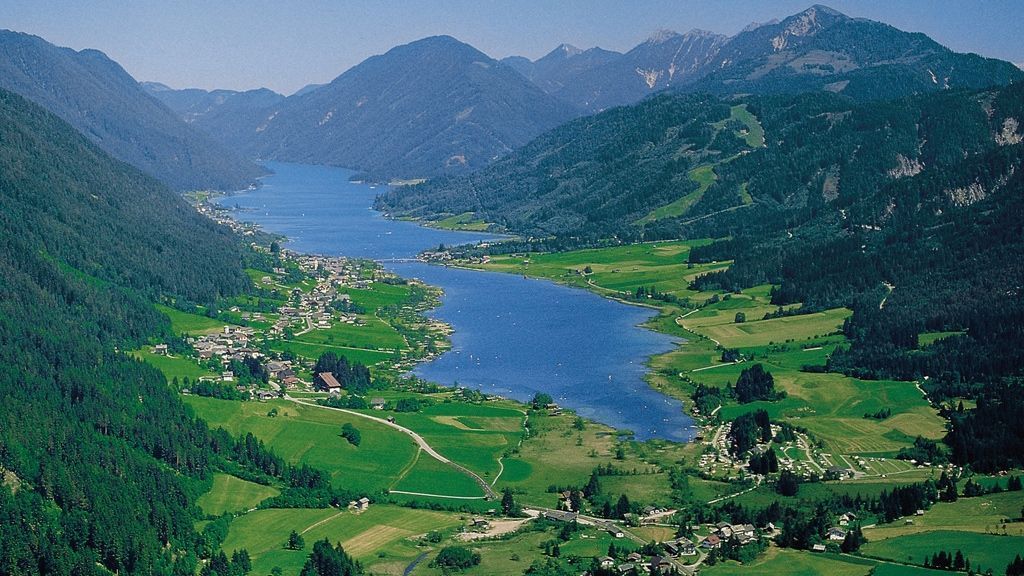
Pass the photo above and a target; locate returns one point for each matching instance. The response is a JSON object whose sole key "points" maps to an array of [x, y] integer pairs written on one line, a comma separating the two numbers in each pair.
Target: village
{"points": [[304, 301]]}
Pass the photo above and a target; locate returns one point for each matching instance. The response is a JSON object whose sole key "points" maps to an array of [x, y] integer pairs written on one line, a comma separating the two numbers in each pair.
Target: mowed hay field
{"points": [[662, 265], [985, 551], [723, 329], [312, 435], [232, 494], [474, 435], [378, 537], [787, 562], [984, 514]]}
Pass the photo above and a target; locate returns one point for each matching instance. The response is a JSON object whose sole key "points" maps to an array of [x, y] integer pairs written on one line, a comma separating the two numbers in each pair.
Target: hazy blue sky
{"points": [[284, 44]]}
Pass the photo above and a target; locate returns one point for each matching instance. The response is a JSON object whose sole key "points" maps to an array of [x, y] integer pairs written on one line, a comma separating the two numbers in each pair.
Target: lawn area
{"points": [[185, 323], [377, 537], [465, 221], [429, 476], [313, 351], [379, 295], [473, 435], [985, 514], [786, 562], [755, 132], [704, 176], [232, 494], [311, 435], [662, 265], [374, 334], [983, 550], [763, 332], [172, 366]]}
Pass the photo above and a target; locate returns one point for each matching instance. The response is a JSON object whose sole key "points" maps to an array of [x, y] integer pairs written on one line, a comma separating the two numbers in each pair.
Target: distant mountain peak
{"points": [[568, 49], [755, 25], [812, 20], [661, 36]]}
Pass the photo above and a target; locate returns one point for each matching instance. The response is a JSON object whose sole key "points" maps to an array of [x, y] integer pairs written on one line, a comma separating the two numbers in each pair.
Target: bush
{"points": [[456, 557]]}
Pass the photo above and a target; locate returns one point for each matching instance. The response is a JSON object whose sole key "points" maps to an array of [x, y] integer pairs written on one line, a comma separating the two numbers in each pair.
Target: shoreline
{"points": [[690, 429]]}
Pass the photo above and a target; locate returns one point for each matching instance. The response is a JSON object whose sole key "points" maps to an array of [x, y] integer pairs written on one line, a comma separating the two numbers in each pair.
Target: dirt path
{"points": [[322, 522], [488, 491]]}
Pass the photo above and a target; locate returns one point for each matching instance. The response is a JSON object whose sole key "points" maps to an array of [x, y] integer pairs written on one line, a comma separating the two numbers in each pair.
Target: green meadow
{"points": [[379, 537], [312, 435], [172, 366], [232, 494], [186, 323], [785, 562], [984, 551]]}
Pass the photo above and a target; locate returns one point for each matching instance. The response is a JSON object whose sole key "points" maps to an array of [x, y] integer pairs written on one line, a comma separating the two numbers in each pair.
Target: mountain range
{"points": [[817, 49], [435, 106], [439, 107], [102, 101]]}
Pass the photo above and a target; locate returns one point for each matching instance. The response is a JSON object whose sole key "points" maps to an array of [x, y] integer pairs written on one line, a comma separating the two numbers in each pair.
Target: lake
{"points": [[513, 336]]}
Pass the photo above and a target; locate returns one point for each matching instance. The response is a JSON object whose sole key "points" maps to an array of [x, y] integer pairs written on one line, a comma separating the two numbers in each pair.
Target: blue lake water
{"points": [[513, 336]]}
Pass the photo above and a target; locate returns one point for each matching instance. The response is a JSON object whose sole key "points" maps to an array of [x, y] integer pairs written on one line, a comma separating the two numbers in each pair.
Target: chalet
{"points": [[607, 563], [711, 542], [836, 534], [391, 419], [744, 532], [274, 369], [664, 565], [634, 557], [160, 349], [377, 403], [479, 523], [290, 381], [560, 516], [362, 504], [680, 547], [265, 395], [627, 568], [327, 381], [818, 548], [227, 376]]}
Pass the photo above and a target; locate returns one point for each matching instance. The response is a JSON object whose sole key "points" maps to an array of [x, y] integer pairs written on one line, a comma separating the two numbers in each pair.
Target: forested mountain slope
{"points": [[226, 115], [910, 212], [98, 457], [103, 102], [434, 106]]}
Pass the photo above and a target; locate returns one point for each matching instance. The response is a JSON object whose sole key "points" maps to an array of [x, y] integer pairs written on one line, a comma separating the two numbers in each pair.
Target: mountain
{"points": [[823, 49], [597, 79], [102, 455], [561, 66], [226, 115], [103, 102], [909, 212], [817, 49], [434, 106]]}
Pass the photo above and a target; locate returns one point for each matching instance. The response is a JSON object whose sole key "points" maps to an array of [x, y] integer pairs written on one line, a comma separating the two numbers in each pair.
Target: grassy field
{"points": [[378, 537], [172, 366], [311, 435], [755, 132], [983, 550], [429, 476], [185, 323], [784, 562], [984, 514], [373, 334], [464, 221], [312, 350], [661, 265], [704, 176], [722, 328], [232, 494], [472, 435]]}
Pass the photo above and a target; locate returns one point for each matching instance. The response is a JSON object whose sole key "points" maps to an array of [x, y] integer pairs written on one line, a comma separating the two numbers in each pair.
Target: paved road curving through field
{"points": [[420, 441]]}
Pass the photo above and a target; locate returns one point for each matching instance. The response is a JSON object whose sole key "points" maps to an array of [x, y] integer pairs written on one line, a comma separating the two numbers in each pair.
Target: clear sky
{"points": [[286, 44]]}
